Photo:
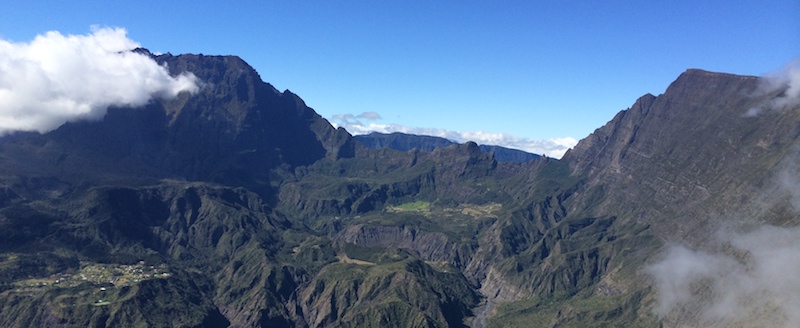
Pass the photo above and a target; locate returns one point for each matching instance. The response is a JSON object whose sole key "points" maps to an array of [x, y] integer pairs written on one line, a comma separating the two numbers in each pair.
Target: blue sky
{"points": [[522, 73]]}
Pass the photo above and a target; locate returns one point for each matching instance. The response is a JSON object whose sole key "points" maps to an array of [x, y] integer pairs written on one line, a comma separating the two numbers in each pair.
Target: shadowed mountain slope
{"points": [[233, 131]]}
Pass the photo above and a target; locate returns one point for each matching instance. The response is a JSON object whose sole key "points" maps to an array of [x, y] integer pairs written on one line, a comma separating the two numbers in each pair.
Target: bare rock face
{"points": [[699, 101], [686, 152]]}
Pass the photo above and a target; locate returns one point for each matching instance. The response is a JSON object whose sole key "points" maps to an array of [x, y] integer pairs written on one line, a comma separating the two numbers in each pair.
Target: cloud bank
{"points": [[551, 147], [56, 79], [786, 81], [750, 282]]}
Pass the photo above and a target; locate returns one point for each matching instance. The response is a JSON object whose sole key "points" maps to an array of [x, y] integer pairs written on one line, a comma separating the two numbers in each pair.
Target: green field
{"points": [[417, 206]]}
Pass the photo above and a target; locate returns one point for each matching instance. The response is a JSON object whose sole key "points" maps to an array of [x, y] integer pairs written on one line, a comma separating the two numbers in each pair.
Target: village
{"points": [[101, 275]]}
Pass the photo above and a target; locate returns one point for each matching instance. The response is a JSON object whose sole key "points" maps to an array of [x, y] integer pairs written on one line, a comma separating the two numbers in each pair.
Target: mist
{"points": [[787, 79], [57, 78], [785, 82], [749, 279]]}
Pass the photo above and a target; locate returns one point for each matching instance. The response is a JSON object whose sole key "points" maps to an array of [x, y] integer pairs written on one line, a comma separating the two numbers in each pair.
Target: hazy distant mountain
{"points": [[239, 206], [405, 142]]}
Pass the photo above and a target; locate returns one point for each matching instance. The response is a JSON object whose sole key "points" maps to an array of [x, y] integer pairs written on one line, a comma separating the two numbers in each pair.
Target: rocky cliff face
{"points": [[692, 152], [711, 154]]}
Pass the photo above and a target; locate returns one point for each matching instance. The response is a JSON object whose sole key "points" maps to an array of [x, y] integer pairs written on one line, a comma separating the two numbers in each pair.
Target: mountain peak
{"points": [[695, 81], [692, 93], [704, 73], [143, 51], [232, 131]]}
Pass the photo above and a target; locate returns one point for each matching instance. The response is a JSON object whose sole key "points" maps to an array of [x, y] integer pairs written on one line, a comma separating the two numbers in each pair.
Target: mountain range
{"points": [[239, 206], [405, 142]]}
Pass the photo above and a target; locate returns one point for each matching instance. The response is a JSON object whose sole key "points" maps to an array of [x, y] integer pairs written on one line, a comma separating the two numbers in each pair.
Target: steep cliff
{"points": [[693, 152]]}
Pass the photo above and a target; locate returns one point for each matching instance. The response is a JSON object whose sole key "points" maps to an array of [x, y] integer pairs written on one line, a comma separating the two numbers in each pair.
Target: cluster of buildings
{"points": [[104, 275]]}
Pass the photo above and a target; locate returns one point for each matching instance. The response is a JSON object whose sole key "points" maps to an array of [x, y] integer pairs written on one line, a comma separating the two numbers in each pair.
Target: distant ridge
{"points": [[405, 142]]}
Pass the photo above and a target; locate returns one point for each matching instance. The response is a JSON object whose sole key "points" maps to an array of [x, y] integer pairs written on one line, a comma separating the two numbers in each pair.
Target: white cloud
{"points": [[55, 79], [751, 280], [551, 147], [786, 80], [370, 116]]}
